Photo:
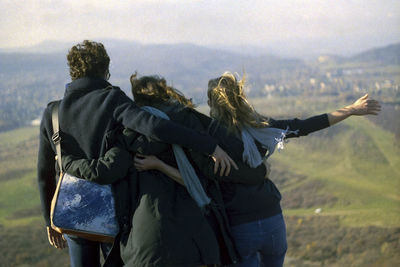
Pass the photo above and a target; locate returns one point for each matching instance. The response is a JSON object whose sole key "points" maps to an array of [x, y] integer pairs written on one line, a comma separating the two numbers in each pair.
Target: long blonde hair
{"points": [[228, 104]]}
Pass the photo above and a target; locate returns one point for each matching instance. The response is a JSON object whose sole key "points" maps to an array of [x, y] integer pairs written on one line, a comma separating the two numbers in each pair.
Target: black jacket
{"points": [[91, 108]]}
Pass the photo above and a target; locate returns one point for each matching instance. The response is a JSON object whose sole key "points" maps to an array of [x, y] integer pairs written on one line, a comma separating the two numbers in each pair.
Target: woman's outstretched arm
{"points": [[363, 106]]}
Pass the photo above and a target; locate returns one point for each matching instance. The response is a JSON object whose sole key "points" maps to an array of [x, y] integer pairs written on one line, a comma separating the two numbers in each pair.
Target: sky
{"points": [[341, 26]]}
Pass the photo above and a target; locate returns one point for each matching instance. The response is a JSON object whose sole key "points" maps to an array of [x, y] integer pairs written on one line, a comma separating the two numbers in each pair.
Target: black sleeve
{"points": [[46, 172], [159, 129], [143, 144], [244, 175], [304, 127], [230, 143], [114, 165]]}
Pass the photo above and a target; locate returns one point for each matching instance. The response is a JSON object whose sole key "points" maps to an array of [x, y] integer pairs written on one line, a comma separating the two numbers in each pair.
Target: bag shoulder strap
{"points": [[56, 133]]}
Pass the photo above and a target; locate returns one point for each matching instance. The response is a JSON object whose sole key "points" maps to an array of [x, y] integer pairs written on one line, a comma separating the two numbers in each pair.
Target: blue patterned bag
{"points": [[80, 207]]}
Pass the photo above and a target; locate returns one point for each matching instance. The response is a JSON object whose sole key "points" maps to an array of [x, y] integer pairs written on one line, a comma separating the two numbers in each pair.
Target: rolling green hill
{"points": [[351, 171], [23, 238], [356, 162]]}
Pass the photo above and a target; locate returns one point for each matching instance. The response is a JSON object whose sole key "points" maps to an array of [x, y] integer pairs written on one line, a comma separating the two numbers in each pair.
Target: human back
{"points": [[90, 109], [255, 213], [86, 117]]}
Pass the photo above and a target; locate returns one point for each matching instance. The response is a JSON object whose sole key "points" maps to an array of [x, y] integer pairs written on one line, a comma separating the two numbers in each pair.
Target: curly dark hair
{"points": [[150, 90], [88, 59]]}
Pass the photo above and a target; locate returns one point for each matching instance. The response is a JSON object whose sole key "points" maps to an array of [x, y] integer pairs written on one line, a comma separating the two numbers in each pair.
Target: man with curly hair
{"points": [[90, 109]]}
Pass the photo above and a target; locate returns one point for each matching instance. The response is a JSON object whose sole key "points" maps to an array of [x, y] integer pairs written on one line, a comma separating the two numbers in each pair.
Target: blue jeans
{"points": [[86, 253], [261, 243]]}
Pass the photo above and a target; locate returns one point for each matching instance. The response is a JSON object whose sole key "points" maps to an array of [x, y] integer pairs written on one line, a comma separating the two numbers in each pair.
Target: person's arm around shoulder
{"points": [[243, 175], [131, 116], [105, 170], [151, 162]]}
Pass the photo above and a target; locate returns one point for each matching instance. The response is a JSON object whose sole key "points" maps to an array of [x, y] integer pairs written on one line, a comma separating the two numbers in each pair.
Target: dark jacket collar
{"points": [[86, 84]]}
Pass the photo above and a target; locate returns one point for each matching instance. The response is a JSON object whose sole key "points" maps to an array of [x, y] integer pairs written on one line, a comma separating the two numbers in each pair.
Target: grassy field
{"points": [[18, 189], [23, 238], [351, 171], [359, 164], [356, 160]]}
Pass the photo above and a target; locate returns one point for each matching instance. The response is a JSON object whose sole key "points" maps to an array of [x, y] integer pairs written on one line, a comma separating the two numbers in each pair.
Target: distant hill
{"points": [[389, 55], [24, 63], [188, 66], [31, 77]]}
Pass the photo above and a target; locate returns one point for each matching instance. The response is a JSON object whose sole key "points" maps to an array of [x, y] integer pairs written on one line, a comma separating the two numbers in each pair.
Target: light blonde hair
{"points": [[229, 105]]}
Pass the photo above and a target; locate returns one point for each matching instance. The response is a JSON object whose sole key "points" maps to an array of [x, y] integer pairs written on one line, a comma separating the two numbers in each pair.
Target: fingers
{"points": [[217, 158], [373, 103], [50, 238], [233, 163], [223, 166], [365, 106], [138, 163], [137, 160], [56, 239], [50, 235], [216, 165], [59, 241], [222, 160], [373, 107], [228, 168]]}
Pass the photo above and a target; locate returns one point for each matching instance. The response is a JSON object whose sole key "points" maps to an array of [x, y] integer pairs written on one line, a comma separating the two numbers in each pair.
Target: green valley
{"points": [[351, 172]]}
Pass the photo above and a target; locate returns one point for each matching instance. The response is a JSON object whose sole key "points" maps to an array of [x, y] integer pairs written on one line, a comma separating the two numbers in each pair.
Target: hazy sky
{"points": [[328, 23]]}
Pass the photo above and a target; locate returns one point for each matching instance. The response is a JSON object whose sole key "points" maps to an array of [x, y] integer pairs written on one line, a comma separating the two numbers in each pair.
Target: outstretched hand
{"points": [[56, 239], [365, 106], [222, 160]]}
